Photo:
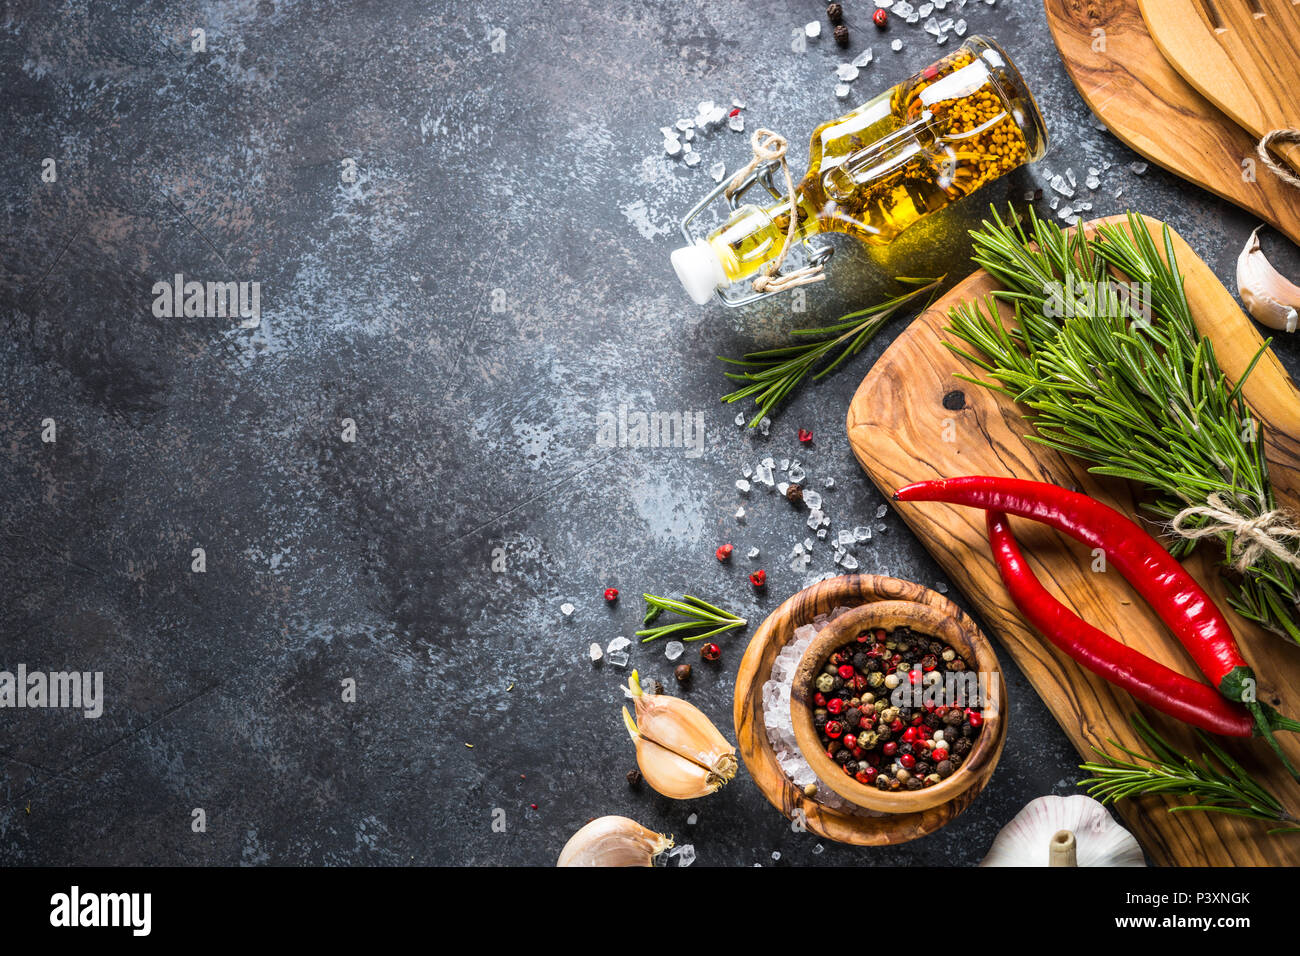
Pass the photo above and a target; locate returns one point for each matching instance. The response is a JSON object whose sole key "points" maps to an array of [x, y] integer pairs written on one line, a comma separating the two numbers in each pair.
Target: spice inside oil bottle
{"points": [[931, 140]]}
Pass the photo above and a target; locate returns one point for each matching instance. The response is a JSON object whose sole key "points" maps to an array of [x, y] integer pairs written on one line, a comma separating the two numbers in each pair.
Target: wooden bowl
{"points": [[959, 633]]}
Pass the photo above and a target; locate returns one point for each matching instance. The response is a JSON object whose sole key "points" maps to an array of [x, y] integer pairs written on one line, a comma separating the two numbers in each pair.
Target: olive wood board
{"points": [[860, 828], [1239, 54], [1146, 103], [913, 419]]}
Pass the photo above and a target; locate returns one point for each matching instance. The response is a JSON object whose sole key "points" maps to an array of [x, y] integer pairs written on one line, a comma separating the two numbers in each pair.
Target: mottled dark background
{"points": [[535, 170]]}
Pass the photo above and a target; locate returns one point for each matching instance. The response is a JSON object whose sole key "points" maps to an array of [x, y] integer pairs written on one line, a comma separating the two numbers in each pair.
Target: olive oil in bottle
{"points": [[931, 140]]}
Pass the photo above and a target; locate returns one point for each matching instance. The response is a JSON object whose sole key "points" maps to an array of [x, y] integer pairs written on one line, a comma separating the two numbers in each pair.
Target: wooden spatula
{"points": [[1241, 55]]}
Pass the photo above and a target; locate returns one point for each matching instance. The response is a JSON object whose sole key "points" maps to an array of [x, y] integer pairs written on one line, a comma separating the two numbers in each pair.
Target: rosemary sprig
{"points": [[697, 613], [1223, 788], [774, 373], [1139, 396]]}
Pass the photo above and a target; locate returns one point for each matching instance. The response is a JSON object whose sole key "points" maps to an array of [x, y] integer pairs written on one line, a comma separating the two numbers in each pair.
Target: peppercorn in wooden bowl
{"points": [[917, 707]]}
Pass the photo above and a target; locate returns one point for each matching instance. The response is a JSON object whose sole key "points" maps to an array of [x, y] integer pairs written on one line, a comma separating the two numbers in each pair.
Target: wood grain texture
{"points": [[1147, 104], [959, 633], [774, 633], [1239, 54], [902, 432]]}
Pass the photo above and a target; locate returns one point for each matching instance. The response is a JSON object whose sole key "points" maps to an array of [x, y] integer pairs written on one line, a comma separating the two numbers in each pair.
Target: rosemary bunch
{"points": [[699, 616], [1221, 788], [774, 373], [1126, 382]]}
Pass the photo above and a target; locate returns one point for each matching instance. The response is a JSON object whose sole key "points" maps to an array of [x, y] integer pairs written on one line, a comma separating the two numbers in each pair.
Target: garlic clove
{"points": [[668, 772], [1268, 296], [683, 728], [613, 841], [1028, 840]]}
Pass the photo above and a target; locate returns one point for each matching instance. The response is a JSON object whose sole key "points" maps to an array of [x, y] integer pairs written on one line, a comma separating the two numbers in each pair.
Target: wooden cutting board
{"points": [[1146, 103], [1240, 54], [913, 419]]}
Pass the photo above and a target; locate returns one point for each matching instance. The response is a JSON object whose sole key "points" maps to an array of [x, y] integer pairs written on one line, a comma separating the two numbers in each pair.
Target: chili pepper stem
{"points": [[1266, 721]]}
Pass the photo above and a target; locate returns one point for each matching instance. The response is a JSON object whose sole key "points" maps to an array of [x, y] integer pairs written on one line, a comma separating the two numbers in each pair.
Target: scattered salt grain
{"points": [[717, 171], [752, 554], [812, 499], [691, 159], [828, 483], [863, 58], [674, 650], [566, 609], [862, 533], [846, 72], [595, 653], [842, 90], [742, 486], [813, 29], [848, 562], [692, 819], [765, 426], [740, 514], [740, 420], [896, 45], [737, 123], [1137, 168], [672, 146], [882, 511]]}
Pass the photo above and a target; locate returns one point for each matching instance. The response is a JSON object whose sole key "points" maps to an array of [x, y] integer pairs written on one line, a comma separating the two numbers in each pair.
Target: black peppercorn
{"points": [[842, 35], [851, 766], [953, 717], [852, 716], [843, 756], [873, 665], [659, 687], [794, 493], [819, 721], [912, 783], [961, 747], [682, 673], [837, 683], [835, 14], [633, 777], [944, 768]]}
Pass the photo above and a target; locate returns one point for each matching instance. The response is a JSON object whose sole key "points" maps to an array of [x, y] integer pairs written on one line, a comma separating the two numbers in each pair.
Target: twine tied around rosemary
{"points": [[1276, 168], [1267, 533], [770, 147]]}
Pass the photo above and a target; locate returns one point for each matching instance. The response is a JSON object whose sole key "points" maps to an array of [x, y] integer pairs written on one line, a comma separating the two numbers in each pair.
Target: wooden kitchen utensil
{"points": [[912, 419], [1146, 103], [1240, 54]]}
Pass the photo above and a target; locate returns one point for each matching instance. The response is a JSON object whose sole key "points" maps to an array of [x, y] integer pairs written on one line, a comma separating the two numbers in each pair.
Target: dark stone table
{"points": [[460, 217]]}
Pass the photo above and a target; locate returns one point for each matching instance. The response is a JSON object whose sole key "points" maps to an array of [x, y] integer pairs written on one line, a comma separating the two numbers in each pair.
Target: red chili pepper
{"points": [[1173, 593], [1149, 681]]}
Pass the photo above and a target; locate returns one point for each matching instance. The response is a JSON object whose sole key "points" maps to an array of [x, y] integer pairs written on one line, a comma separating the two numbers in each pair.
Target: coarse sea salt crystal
{"points": [[753, 553], [882, 511], [862, 533], [846, 537], [595, 653], [814, 519], [742, 486], [848, 562], [674, 650], [672, 146], [846, 72], [717, 171], [863, 58], [812, 499], [842, 90], [797, 473], [740, 420], [813, 29], [740, 514], [692, 159], [566, 609], [737, 123]]}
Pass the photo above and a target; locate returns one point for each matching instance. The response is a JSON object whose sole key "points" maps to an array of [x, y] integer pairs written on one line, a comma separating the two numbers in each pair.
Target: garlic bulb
{"points": [[680, 753], [1270, 298], [613, 841], [1064, 831]]}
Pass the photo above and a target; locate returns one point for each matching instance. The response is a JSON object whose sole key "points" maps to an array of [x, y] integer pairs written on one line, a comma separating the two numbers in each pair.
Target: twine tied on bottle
{"points": [[1276, 168], [770, 147], [1268, 533]]}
